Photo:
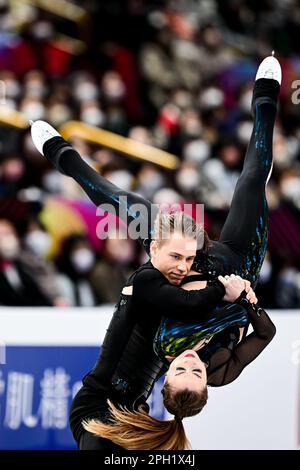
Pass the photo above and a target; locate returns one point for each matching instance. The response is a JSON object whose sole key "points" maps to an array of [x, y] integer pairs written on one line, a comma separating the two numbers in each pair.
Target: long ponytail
{"points": [[136, 430]]}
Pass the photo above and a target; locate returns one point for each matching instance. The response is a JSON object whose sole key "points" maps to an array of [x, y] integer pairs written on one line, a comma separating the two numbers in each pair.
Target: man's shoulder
{"points": [[145, 272]]}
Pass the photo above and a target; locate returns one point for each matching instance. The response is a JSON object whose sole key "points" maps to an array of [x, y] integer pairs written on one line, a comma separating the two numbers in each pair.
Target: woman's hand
{"points": [[250, 292]]}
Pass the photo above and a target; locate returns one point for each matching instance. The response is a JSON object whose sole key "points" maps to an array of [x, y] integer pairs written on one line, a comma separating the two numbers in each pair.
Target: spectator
{"points": [[34, 256], [18, 285], [75, 264], [112, 271], [288, 287]]}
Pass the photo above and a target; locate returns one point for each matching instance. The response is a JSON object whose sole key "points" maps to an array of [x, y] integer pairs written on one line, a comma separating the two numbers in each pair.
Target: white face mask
{"points": [[82, 260], [187, 179], [12, 88], [9, 247], [291, 190], [196, 151], [211, 98], [42, 29], [39, 242], [10, 104], [34, 111], [167, 196], [152, 181], [244, 131], [93, 116], [35, 89], [121, 178], [84, 91]]}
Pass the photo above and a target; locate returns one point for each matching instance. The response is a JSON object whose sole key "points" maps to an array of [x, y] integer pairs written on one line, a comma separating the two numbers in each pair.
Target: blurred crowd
{"points": [[177, 75]]}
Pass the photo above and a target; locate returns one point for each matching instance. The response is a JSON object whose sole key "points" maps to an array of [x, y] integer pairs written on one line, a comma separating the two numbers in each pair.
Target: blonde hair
{"points": [[166, 224], [136, 430]]}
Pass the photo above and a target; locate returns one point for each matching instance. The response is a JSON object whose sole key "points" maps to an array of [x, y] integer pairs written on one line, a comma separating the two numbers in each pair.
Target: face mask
{"points": [[114, 89], [39, 242], [187, 179], [85, 91], [152, 181], [42, 30], [166, 196], [12, 88], [9, 247], [291, 190], [35, 89], [53, 182], [92, 116], [10, 104], [244, 131], [121, 178], [34, 111], [196, 151], [82, 260], [211, 98]]}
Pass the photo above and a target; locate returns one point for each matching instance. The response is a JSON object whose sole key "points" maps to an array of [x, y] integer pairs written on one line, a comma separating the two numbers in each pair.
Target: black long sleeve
{"points": [[225, 365], [152, 289]]}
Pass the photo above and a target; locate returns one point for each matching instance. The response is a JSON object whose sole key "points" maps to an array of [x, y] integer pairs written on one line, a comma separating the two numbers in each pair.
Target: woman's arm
{"points": [[246, 351]]}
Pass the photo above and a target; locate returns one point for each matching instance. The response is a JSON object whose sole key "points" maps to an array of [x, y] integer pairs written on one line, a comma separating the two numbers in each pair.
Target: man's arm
{"points": [[151, 287], [246, 351]]}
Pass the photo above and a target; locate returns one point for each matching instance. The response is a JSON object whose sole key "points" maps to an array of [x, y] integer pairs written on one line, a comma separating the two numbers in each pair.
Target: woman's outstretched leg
{"points": [[245, 230], [137, 212]]}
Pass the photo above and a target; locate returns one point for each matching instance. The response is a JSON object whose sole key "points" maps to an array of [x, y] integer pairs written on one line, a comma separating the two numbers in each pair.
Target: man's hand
{"points": [[234, 286], [250, 292]]}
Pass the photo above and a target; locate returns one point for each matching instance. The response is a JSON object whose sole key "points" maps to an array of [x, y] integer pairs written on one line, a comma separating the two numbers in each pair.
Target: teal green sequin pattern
{"points": [[172, 338], [257, 250]]}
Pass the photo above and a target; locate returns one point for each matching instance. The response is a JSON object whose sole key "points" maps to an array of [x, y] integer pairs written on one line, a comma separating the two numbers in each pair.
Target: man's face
{"points": [[174, 257]]}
